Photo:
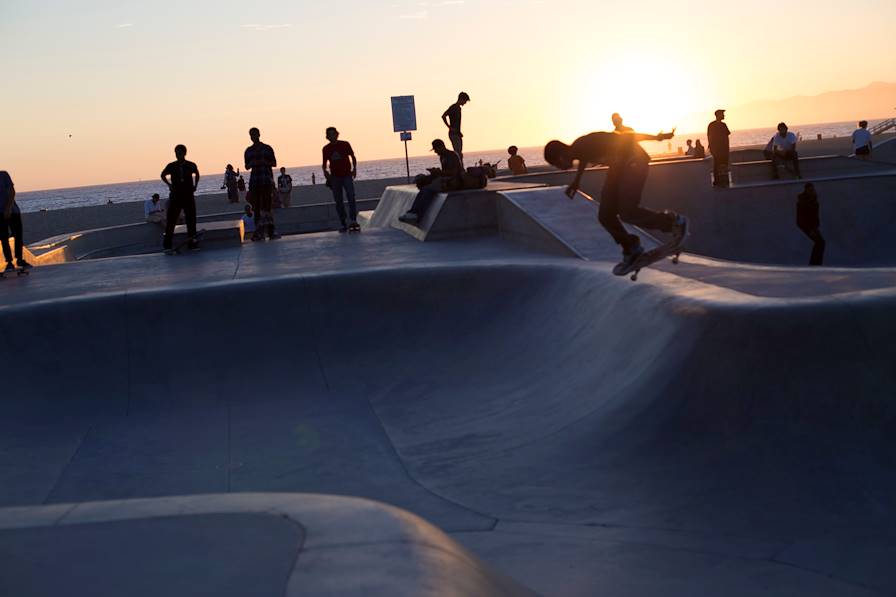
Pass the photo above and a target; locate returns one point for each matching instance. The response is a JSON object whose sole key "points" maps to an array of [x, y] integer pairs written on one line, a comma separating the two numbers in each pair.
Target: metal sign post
{"points": [[404, 120]]}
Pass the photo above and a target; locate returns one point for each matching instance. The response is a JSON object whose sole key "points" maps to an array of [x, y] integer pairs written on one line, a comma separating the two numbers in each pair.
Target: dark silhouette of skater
{"points": [[621, 194], [341, 176], [808, 221], [448, 177], [260, 159], [452, 117], [717, 134], [182, 177], [11, 222]]}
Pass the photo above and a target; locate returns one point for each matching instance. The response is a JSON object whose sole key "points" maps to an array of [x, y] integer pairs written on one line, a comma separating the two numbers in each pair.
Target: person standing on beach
{"points": [[284, 187], [618, 127], [230, 183], [260, 159], [181, 177], [861, 141], [343, 168], [452, 117], [808, 221], [621, 195], [717, 134], [11, 222]]}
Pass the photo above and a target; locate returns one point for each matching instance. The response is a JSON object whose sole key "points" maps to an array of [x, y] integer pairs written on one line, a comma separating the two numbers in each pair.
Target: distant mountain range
{"points": [[877, 100]]}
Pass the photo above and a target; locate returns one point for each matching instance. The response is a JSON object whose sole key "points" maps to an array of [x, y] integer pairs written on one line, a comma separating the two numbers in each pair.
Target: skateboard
{"points": [[647, 259], [20, 271], [178, 248]]}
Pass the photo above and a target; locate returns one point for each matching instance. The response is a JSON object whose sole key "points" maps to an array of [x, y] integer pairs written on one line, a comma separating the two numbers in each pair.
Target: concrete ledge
{"points": [[243, 544]]}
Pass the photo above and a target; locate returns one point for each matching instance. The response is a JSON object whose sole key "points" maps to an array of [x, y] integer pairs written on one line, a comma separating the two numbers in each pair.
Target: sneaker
{"points": [[23, 264], [629, 257], [409, 218], [679, 230], [9, 267]]}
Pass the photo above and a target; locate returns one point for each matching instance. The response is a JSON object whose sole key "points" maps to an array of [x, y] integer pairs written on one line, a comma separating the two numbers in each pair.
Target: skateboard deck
{"points": [[19, 271], [647, 259], [178, 248]]}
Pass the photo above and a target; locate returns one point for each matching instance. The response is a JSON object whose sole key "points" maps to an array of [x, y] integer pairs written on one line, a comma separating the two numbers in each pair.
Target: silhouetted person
{"points": [[515, 162], [260, 159], [781, 149], [284, 187], [690, 150], [621, 194], [182, 178], [448, 177], [11, 222], [341, 176], [717, 134], [154, 210], [808, 221], [230, 183], [313, 179], [618, 127], [248, 220], [699, 150], [861, 141], [452, 117], [241, 188]]}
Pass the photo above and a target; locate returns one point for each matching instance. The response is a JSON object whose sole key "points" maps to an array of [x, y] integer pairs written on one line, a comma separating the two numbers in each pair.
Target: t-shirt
{"points": [[260, 160], [181, 174], [517, 164], [861, 138], [150, 208], [718, 133], [337, 153], [451, 164], [6, 187], [248, 223], [454, 115], [785, 143], [230, 178], [284, 183]]}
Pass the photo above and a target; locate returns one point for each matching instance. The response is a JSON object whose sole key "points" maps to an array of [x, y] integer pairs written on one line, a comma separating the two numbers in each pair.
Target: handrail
{"points": [[884, 126]]}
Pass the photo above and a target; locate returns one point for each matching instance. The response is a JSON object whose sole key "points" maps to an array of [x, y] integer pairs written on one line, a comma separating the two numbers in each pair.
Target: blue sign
{"points": [[404, 114]]}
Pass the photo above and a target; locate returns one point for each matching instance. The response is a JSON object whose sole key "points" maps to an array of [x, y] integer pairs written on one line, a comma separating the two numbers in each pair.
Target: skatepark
{"points": [[473, 407]]}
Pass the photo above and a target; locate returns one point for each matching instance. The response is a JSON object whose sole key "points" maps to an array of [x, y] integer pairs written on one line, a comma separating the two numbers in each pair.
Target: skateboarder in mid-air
{"points": [[621, 194]]}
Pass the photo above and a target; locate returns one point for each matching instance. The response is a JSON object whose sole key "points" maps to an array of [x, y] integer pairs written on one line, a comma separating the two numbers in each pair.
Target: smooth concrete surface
{"points": [[715, 428], [245, 544]]}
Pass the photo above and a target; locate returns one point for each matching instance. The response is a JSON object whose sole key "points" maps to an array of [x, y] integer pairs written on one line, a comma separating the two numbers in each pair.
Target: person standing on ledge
{"points": [[448, 177], [717, 134], [11, 221], [260, 159], [808, 221], [452, 117], [618, 127], [621, 194], [341, 177], [179, 177], [861, 141]]}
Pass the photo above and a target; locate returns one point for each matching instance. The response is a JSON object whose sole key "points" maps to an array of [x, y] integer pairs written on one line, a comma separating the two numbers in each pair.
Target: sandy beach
{"points": [[45, 224]]}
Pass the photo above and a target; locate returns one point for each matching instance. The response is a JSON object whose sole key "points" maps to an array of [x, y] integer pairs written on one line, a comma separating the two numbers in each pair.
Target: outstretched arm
{"points": [[646, 137]]}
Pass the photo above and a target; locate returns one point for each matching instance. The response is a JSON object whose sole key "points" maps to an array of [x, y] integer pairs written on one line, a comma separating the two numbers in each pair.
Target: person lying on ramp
{"points": [[621, 194]]}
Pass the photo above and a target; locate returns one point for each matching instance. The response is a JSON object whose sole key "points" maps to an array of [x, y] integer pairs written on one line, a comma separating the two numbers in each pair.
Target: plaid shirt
{"points": [[260, 160]]}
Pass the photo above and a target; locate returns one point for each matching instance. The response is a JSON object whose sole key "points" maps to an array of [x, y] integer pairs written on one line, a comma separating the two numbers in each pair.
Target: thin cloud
{"points": [[124, 25], [259, 27], [415, 16], [451, 2]]}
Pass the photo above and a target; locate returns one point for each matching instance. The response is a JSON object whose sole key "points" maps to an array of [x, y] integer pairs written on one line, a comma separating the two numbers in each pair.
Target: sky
{"points": [[101, 91]]}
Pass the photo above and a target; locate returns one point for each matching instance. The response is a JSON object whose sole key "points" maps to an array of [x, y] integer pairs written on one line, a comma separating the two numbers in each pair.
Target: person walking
{"points": [[343, 168], [448, 177], [284, 187], [11, 223], [808, 221], [230, 183], [260, 159], [717, 134], [621, 195], [861, 141], [181, 177], [452, 117]]}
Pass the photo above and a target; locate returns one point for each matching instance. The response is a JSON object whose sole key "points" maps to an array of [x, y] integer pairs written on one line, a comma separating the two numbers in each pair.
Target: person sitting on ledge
{"points": [[515, 162], [447, 178], [699, 150], [154, 210], [781, 149], [248, 221]]}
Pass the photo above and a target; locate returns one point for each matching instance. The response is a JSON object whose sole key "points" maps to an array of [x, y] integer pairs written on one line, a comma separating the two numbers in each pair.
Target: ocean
{"points": [[367, 170]]}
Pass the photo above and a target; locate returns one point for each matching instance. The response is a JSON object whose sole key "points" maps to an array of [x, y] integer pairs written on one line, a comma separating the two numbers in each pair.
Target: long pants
{"points": [[624, 203], [782, 157], [457, 143], [285, 198], [720, 169], [261, 198], [233, 194], [817, 248], [425, 198], [14, 224], [187, 203], [338, 184]]}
